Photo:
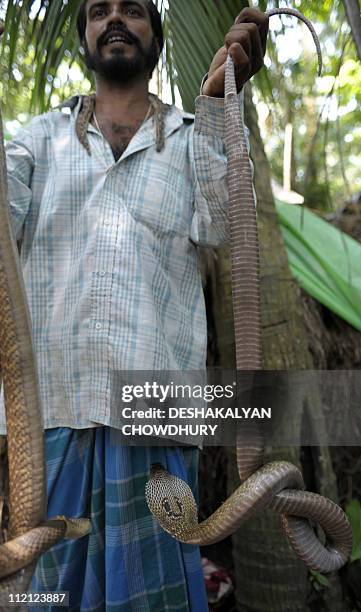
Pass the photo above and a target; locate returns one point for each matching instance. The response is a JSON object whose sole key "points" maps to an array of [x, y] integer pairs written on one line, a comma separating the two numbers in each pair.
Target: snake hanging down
{"points": [[277, 485], [29, 534]]}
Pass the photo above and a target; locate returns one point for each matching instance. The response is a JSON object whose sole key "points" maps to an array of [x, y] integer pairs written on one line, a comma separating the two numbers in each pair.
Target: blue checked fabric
{"points": [[128, 563], [109, 252]]}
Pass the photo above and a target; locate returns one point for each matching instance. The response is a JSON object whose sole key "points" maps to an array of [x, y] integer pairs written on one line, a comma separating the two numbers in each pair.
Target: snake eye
{"points": [[166, 506]]}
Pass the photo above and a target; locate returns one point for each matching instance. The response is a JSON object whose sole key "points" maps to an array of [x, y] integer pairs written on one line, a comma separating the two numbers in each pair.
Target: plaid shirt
{"points": [[109, 252]]}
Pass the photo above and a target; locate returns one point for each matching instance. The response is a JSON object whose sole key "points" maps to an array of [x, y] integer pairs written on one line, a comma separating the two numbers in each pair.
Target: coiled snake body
{"points": [[273, 485], [276, 485]]}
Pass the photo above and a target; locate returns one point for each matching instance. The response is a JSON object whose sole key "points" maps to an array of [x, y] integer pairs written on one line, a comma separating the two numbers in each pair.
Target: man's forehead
{"points": [[142, 3]]}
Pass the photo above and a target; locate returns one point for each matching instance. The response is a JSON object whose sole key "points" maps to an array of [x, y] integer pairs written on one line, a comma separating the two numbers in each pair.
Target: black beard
{"points": [[120, 69]]}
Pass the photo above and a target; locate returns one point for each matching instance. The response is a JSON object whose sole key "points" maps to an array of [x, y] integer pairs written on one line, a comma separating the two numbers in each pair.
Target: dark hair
{"points": [[154, 15]]}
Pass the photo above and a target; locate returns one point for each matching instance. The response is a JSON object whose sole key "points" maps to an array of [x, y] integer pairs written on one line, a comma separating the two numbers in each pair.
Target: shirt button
{"points": [[98, 326], [107, 222], [102, 273]]}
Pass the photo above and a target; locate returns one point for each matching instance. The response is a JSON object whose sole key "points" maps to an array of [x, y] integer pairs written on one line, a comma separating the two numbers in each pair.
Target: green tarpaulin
{"points": [[325, 261]]}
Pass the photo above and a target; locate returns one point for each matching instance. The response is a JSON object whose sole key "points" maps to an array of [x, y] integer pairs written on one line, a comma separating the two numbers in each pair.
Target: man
{"points": [[110, 197]]}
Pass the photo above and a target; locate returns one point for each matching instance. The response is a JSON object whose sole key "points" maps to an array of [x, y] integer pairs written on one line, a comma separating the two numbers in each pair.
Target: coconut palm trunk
{"points": [[352, 8]]}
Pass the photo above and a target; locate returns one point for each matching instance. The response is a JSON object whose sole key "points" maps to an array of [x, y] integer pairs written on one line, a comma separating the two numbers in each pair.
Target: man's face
{"points": [[119, 41]]}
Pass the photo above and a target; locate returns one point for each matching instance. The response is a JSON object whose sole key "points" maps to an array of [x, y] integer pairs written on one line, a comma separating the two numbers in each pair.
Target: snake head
{"points": [[171, 501]]}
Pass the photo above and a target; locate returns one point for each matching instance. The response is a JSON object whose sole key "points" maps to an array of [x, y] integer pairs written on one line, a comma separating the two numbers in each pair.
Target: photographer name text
{"points": [[185, 414]]}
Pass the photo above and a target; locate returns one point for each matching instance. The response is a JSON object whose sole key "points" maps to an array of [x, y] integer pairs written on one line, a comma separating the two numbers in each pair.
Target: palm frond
{"points": [[46, 30], [196, 31]]}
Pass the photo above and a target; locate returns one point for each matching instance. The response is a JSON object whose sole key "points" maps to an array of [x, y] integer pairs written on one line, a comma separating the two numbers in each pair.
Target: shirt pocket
{"points": [[160, 194]]}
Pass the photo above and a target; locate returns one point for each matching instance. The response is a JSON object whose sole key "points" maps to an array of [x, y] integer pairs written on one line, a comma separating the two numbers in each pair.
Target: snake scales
{"points": [[277, 485], [30, 535]]}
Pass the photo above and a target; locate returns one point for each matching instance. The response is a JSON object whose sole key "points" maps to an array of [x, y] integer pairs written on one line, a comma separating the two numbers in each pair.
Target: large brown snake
{"points": [[277, 485], [29, 534]]}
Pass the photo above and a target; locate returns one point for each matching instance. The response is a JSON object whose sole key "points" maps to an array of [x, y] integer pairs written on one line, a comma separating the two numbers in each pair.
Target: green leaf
{"points": [[353, 511], [324, 260], [319, 579]]}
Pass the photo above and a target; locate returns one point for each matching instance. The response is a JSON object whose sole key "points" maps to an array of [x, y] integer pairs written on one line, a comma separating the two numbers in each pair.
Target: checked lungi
{"points": [[128, 563]]}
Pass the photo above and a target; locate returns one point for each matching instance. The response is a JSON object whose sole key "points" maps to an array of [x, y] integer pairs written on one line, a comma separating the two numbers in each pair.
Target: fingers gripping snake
{"points": [[277, 485]]}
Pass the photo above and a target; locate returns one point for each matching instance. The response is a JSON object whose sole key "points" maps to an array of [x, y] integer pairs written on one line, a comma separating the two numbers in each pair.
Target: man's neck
{"points": [[122, 104], [120, 111]]}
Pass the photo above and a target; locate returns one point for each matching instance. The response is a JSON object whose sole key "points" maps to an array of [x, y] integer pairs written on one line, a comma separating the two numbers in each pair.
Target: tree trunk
{"points": [[352, 8]]}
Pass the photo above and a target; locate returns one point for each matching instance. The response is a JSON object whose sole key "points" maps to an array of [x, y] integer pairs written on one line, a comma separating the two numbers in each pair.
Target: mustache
{"points": [[118, 30]]}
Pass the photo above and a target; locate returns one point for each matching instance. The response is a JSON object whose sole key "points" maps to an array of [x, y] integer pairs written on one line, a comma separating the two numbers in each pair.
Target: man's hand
{"points": [[246, 43]]}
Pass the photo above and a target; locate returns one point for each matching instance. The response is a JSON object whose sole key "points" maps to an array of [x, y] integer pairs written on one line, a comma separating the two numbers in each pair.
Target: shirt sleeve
{"points": [[210, 225], [20, 166]]}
